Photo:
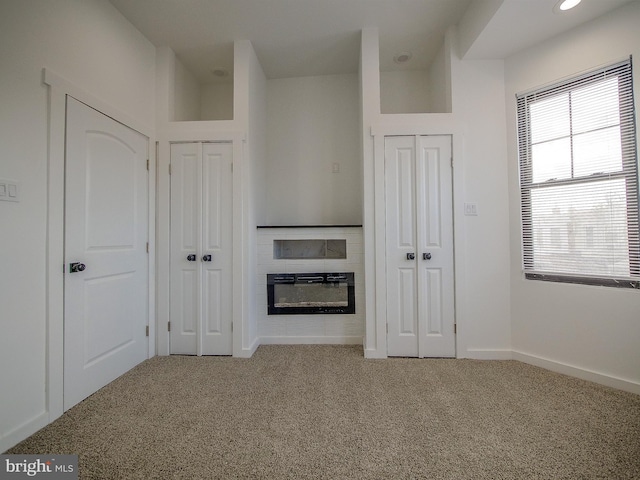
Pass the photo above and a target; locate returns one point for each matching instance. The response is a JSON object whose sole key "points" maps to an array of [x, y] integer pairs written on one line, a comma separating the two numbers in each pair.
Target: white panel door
{"points": [[186, 211], [216, 249], [201, 250], [106, 261], [419, 224], [435, 253], [402, 274]]}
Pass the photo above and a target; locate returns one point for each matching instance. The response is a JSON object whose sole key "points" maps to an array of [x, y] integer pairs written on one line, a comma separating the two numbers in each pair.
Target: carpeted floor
{"points": [[326, 412]]}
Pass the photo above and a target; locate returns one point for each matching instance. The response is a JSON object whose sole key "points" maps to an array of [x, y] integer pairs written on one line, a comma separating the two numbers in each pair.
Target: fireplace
{"points": [[309, 293]]}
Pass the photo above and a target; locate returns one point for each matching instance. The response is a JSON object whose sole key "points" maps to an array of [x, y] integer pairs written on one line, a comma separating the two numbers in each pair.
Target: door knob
{"points": [[77, 267], [206, 258], [191, 258], [426, 256], [411, 256]]}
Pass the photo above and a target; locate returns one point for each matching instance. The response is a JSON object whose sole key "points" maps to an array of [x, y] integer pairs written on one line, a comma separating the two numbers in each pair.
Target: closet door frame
{"points": [[419, 239], [375, 343], [59, 88], [201, 227], [220, 131]]}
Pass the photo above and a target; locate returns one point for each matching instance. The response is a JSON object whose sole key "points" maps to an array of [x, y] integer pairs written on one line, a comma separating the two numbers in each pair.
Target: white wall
{"points": [[186, 95], [90, 44], [485, 244], [587, 331], [439, 91], [312, 123], [405, 91], [216, 101]]}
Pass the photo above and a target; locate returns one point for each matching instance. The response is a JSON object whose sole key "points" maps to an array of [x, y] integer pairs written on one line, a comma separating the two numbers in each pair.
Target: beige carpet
{"points": [[326, 412]]}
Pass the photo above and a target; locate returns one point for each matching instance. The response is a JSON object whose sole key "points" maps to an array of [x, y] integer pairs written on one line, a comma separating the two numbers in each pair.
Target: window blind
{"points": [[579, 179]]}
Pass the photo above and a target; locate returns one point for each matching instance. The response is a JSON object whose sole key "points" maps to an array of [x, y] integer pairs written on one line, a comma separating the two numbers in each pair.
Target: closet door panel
{"points": [[419, 246], [435, 240], [217, 248], [184, 282], [402, 306]]}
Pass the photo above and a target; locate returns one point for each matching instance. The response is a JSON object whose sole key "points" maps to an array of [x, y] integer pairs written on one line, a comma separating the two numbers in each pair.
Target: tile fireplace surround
{"points": [[316, 328]]}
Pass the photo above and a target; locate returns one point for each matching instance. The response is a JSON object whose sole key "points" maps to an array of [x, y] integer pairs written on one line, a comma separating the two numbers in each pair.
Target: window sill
{"points": [[596, 281]]}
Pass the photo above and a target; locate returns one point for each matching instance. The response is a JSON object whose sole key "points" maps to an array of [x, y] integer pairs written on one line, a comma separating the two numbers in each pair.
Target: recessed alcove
{"points": [[202, 97], [311, 248], [409, 85]]}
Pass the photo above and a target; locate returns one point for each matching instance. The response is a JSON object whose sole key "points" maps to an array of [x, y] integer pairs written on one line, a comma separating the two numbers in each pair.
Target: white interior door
{"points": [[419, 239], [201, 250], [106, 261]]}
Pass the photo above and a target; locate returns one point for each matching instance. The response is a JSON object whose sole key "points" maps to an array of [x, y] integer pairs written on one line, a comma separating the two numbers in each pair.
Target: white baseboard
{"points": [[487, 354], [23, 431], [248, 352], [582, 373], [373, 353], [311, 340]]}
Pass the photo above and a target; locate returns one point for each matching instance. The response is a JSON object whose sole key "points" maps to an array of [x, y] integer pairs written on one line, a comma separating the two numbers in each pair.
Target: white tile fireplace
{"points": [[299, 250]]}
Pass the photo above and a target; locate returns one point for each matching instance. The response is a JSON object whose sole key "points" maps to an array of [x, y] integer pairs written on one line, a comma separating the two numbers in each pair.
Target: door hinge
{"points": [[169, 169], [147, 164], [168, 326], [455, 328], [147, 330], [387, 329], [147, 247], [232, 327]]}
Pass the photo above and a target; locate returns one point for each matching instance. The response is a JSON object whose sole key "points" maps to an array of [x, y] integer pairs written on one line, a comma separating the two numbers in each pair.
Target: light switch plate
{"points": [[471, 209], [9, 190]]}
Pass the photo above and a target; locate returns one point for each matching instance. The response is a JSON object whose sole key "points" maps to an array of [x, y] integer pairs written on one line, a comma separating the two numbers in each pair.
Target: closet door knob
{"points": [[411, 256], [191, 258], [206, 258], [426, 256], [77, 267]]}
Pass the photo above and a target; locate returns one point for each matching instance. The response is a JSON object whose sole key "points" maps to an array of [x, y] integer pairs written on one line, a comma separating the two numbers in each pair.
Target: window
{"points": [[579, 180]]}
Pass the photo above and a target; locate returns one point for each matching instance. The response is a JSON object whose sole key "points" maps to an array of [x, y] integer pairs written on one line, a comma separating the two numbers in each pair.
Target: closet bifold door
{"points": [[201, 250], [419, 246]]}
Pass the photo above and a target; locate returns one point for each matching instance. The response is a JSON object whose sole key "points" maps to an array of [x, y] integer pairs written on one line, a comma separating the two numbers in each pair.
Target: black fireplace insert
{"points": [[309, 293]]}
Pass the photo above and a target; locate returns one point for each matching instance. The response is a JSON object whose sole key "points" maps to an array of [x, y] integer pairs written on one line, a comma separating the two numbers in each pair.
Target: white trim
{"points": [[459, 238], [380, 247], [59, 88], [248, 352], [348, 340], [578, 372], [176, 132], [23, 431], [240, 273], [59, 83], [374, 354], [421, 124], [415, 124]]}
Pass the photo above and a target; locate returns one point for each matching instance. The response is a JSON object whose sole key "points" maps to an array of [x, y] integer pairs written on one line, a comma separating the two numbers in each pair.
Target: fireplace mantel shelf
{"points": [[309, 226]]}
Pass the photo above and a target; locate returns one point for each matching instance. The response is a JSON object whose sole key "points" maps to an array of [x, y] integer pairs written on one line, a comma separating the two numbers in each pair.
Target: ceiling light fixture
{"points": [[402, 57], [219, 72], [564, 5]]}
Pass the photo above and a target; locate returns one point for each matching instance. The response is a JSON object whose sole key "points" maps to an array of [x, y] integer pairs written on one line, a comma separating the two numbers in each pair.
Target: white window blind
{"points": [[579, 180]]}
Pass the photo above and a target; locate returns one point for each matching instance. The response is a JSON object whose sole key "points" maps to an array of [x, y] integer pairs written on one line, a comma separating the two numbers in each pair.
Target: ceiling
{"points": [[294, 38], [518, 24]]}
